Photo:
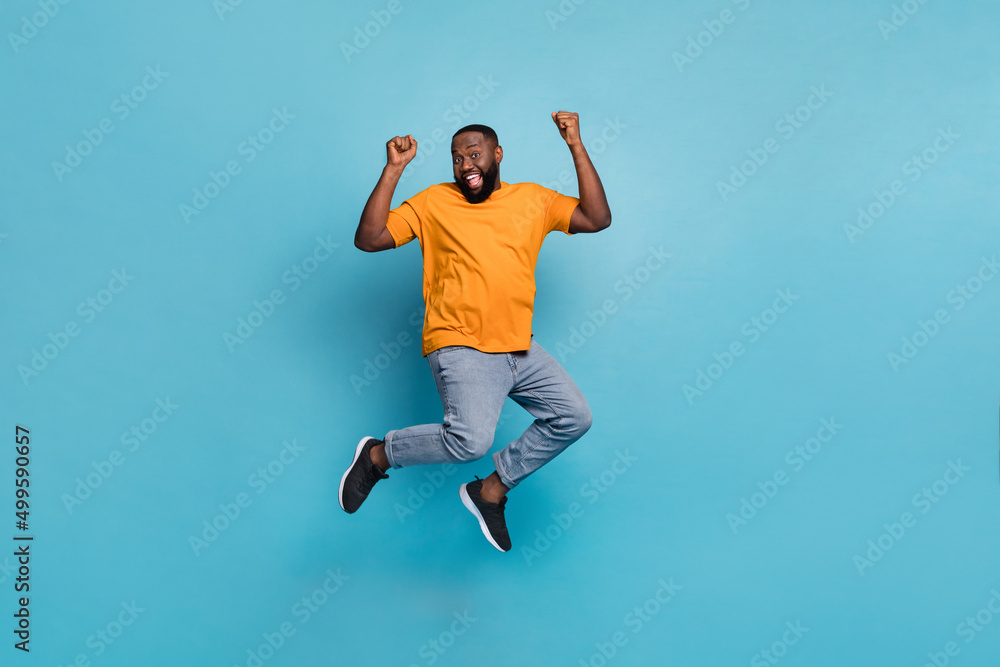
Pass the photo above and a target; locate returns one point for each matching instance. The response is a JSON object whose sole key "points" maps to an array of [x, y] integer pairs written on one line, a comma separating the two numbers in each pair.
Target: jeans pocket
{"points": [[436, 357]]}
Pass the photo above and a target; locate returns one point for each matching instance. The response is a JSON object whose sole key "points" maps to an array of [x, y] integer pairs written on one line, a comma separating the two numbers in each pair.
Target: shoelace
{"points": [[372, 475], [495, 518]]}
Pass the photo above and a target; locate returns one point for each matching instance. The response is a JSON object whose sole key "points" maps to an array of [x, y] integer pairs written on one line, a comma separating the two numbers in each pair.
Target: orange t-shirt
{"points": [[479, 260]]}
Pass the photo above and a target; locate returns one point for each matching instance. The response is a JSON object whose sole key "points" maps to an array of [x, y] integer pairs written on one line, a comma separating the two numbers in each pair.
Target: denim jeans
{"points": [[473, 386]]}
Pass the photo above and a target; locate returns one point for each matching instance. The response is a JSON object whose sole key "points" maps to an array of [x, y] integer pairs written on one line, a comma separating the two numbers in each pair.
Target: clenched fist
{"points": [[569, 126], [399, 151]]}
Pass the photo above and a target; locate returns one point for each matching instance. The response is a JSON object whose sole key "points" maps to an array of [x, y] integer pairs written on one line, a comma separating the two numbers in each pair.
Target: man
{"points": [[480, 238]]}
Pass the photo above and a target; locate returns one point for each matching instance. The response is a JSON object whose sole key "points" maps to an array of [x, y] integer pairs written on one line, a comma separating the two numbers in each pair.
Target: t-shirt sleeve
{"points": [[404, 220], [558, 210]]}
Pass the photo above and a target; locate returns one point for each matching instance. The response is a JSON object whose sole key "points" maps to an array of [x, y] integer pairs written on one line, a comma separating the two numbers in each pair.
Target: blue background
{"points": [[673, 130]]}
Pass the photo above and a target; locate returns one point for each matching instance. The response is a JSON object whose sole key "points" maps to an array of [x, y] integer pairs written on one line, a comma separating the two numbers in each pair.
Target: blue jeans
{"points": [[473, 386]]}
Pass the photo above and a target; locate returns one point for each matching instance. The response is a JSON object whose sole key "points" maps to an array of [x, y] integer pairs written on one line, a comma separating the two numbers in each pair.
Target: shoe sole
{"points": [[357, 453], [471, 506]]}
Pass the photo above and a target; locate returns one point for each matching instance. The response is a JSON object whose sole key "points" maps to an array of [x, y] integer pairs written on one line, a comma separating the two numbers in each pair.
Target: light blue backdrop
{"points": [[794, 450]]}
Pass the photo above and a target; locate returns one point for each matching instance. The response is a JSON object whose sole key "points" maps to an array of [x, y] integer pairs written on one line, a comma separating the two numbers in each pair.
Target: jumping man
{"points": [[480, 239]]}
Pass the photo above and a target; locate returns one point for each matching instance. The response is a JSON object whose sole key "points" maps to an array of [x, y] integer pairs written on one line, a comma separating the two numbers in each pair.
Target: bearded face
{"points": [[476, 167]]}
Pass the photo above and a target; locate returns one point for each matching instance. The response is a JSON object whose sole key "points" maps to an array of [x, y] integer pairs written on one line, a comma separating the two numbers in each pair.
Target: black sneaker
{"points": [[490, 515], [360, 477]]}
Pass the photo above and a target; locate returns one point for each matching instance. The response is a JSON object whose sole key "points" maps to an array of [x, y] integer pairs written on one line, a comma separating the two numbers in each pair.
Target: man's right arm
{"points": [[372, 234]]}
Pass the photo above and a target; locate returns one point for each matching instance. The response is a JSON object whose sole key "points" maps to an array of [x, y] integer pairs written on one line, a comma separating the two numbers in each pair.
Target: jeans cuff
{"points": [[388, 449], [502, 472]]}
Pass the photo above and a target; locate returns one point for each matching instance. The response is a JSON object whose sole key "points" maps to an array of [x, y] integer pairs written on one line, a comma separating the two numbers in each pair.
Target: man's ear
{"points": [[498, 154]]}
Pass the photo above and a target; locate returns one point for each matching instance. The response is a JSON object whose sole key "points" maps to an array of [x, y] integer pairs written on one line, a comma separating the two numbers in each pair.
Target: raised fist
{"points": [[569, 126], [400, 150]]}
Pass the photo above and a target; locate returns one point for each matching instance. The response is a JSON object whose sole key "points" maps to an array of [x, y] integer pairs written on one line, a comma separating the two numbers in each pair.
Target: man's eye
{"points": [[475, 155]]}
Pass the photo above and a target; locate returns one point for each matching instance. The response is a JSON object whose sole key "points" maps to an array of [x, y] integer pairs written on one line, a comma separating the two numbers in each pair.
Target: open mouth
{"points": [[474, 179]]}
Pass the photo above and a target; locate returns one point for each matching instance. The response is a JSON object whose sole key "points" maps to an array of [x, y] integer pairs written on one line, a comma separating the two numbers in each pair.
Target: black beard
{"points": [[490, 180]]}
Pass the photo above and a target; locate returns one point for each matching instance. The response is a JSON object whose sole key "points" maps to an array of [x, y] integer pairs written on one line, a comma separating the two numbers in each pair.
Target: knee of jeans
{"points": [[470, 446], [579, 419]]}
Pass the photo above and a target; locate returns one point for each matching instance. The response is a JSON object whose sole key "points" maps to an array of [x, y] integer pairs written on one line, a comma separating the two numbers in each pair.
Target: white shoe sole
{"points": [[357, 453], [471, 506]]}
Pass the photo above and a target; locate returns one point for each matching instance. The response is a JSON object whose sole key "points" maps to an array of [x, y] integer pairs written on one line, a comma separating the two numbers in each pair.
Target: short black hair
{"points": [[483, 129]]}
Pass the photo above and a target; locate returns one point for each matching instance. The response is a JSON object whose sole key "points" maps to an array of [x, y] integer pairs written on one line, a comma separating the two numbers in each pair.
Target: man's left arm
{"points": [[593, 213]]}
